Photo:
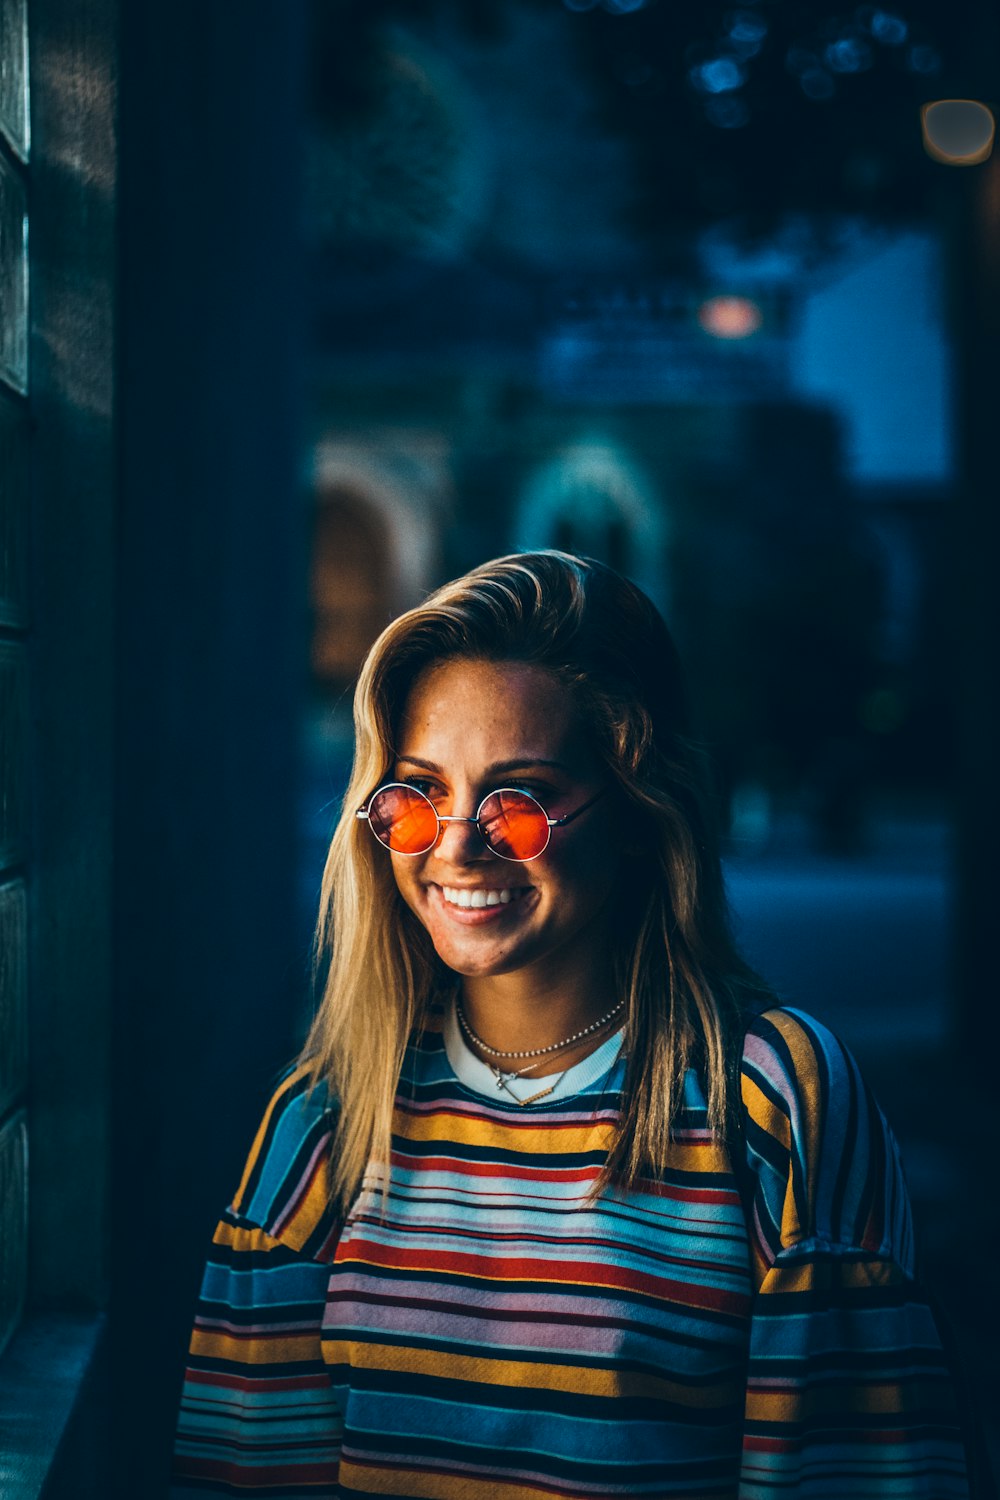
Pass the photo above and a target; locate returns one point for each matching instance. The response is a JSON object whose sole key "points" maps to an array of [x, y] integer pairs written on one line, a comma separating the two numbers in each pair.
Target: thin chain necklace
{"points": [[534, 1051], [503, 1082]]}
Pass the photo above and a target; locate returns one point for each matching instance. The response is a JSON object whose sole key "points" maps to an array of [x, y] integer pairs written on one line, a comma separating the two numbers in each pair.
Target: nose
{"points": [[461, 842]]}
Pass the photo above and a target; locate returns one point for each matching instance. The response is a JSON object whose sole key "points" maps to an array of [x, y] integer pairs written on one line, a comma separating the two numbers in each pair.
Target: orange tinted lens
{"points": [[514, 825], [403, 820]]}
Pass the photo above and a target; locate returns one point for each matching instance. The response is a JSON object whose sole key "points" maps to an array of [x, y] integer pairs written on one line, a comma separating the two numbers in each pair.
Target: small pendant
{"points": [[540, 1095]]}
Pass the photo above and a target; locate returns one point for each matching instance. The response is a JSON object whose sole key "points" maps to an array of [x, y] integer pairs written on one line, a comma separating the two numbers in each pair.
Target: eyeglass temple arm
{"points": [[568, 818]]}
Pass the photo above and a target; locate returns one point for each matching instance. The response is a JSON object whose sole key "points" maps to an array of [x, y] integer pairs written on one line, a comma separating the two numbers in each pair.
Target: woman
{"points": [[556, 1200]]}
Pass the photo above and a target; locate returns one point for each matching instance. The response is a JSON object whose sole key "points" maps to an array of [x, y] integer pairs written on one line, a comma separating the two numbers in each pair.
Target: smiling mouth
{"points": [[474, 899]]}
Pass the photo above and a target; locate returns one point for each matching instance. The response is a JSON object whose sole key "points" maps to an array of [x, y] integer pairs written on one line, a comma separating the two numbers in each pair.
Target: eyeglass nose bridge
{"points": [[444, 818]]}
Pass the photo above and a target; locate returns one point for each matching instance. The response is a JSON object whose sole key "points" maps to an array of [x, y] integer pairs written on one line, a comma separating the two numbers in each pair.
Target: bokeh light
{"points": [[849, 54], [959, 132], [718, 75], [889, 29], [730, 317], [746, 31]]}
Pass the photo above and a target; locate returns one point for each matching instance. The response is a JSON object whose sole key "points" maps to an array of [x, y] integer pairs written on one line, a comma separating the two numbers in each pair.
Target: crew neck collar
{"points": [[480, 1078]]}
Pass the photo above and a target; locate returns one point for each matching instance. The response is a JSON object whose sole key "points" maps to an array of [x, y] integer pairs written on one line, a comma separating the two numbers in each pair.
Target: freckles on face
{"points": [[468, 728]]}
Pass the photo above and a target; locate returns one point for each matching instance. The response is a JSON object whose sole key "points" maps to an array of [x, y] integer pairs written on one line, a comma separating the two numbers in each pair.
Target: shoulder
{"points": [[826, 1163], [285, 1187], [794, 1069]]}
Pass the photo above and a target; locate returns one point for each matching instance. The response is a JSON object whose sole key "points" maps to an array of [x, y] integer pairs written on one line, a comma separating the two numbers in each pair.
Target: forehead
{"points": [[461, 710]]}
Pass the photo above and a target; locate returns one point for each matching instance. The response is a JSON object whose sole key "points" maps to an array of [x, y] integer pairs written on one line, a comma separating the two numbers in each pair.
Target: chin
{"points": [[469, 966], [483, 962]]}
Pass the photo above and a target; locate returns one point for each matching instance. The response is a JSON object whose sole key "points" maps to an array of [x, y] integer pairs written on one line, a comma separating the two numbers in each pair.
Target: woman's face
{"points": [[468, 728]]}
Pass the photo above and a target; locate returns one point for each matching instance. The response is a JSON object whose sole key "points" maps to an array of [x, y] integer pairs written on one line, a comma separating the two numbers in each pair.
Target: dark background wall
{"points": [[211, 655], [168, 653]]}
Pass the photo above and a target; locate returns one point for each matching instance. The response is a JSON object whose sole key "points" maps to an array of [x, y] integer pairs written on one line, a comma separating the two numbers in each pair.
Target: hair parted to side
{"points": [[676, 965]]}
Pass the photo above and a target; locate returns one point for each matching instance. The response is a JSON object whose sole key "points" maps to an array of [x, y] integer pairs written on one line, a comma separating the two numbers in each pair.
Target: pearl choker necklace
{"points": [[577, 1036]]}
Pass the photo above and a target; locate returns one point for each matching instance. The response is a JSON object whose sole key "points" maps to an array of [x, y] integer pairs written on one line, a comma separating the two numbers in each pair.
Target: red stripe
{"points": [[768, 1445], [494, 1169], [365, 1252], [789, 1445], [579, 1243], [522, 1173]]}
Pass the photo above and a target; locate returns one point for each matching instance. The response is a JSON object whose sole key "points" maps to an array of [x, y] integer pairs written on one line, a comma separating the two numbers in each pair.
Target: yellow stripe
{"points": [[765, 1113], [789, 1279], [796, 1218], [238, 1237], [295, 1231], [260, 1350], [840, 1273], [807, 1084], [276, 1098], [848, 1399], [454, 1129], [524, 1374], [371, 1481], [772, 1120]]}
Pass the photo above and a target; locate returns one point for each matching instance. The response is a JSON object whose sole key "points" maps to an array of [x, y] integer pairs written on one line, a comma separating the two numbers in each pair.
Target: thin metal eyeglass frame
{"points": [[443, 818]]}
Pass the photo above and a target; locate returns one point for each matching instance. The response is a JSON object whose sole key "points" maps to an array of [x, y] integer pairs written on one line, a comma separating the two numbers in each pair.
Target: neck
{"points": [[519, 1012], [540, 1062]]}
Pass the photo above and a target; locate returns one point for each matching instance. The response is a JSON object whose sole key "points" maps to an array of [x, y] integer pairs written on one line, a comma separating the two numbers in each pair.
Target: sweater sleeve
{"points": [[848, 1390], [257, 1413]]}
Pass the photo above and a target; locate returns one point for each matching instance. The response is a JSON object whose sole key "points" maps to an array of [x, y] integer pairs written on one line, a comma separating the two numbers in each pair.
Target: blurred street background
{"points": [[325, 302]]}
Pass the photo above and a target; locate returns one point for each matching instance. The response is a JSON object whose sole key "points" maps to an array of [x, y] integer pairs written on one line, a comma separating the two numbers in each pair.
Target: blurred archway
{"points": [[373, 556], [351, 583], [590, 498]]}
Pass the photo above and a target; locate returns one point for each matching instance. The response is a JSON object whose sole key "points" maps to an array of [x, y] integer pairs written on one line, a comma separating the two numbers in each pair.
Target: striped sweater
{"points": [[493, 1333]]}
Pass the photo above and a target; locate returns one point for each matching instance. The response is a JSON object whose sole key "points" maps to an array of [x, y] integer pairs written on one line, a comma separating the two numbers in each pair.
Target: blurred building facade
{"points": [[499, 364]]}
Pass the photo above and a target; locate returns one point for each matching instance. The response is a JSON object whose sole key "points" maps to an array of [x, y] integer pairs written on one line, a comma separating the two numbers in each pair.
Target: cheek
{"points": [[406, 880], [587, 873]]}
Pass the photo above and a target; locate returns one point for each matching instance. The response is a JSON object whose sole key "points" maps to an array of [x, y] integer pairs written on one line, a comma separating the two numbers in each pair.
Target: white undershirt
{"points": [[478, 1076]]}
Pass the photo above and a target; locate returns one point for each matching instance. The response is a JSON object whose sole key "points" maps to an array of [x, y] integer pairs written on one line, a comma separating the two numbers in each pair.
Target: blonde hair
{"points": [[676, 966]]}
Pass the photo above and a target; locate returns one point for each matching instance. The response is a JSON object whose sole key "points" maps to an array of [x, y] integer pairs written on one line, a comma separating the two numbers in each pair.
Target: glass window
{"points": [[13, 278], [13, 512], [14, 113]]}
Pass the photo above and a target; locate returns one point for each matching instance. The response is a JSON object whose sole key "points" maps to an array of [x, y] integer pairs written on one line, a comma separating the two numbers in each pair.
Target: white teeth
{"points": [[462, 897]]}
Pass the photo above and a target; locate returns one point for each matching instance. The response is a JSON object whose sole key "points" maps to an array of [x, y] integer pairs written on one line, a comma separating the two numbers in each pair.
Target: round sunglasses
{"points": [[511, 824]]}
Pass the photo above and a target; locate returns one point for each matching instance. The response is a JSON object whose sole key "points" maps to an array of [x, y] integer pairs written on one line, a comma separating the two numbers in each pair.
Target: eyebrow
{"points": [[498, 769]]}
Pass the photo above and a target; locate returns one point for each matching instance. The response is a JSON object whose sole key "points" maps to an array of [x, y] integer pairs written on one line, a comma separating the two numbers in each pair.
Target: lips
{"points": [[473, 906]]}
